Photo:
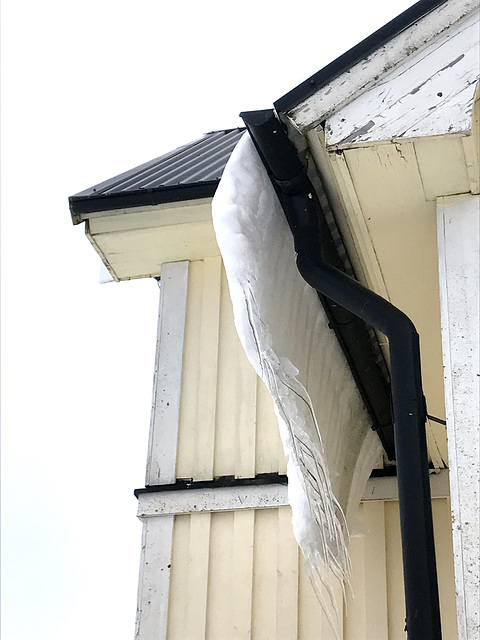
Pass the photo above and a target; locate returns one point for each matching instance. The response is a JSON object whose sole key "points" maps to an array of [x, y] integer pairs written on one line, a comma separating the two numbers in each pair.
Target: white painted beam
{"points": [[217, 499], [155, 562], [162, 449], [154, 580], [459, 272]]}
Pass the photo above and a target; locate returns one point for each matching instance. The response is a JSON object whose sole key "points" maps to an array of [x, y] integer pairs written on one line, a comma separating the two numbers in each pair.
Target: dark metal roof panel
{"points": [[355, 54], [189, 172]]}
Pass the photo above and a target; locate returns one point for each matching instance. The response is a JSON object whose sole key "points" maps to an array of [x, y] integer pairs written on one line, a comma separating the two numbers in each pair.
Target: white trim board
{"points": [[162, 448], [459, 272], [154, 579]]}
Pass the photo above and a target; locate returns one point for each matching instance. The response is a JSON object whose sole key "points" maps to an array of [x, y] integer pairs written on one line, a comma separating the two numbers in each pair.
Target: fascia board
{"points": [[160, 215]]}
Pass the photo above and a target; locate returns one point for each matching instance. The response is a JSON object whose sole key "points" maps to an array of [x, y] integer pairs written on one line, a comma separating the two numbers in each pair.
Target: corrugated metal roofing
{"points": [[189, 172]]}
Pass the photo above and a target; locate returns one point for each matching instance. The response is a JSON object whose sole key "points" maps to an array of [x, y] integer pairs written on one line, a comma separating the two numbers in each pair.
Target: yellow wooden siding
{"points": [[397, 221], [239, 575], [227, 423], [378, 609], [402, 226]]}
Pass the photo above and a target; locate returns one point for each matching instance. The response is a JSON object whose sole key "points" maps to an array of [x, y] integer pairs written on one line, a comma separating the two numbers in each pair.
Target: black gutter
{"points": [[301, 207], [354, 55]]}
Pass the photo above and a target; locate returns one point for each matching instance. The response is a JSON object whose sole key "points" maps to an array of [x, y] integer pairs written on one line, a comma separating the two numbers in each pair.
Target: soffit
{"points": [[133, 243]]}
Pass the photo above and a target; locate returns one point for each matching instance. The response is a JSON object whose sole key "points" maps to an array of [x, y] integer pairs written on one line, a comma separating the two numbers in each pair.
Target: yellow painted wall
{"points": [[239, 574]]}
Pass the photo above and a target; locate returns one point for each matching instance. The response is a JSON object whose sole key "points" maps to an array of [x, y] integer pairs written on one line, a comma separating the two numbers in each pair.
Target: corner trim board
{"points": [[154, 579], [459, 275], [162, 448]]}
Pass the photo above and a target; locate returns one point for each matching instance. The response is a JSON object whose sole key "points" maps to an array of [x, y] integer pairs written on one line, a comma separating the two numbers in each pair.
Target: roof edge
{"points": [[357, 53], [80, 205]]}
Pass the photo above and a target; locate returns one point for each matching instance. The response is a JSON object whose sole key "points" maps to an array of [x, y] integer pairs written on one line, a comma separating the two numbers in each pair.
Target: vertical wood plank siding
{"points": [[227, 423], [239, 575]]}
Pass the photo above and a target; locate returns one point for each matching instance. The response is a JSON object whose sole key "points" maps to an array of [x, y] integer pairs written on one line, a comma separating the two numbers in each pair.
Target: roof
{"points": [[194, 170], [356, 53], [190, 172]]}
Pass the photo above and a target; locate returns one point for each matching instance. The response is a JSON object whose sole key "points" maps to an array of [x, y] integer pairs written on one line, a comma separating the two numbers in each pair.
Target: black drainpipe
{"points": [[301, 207]]}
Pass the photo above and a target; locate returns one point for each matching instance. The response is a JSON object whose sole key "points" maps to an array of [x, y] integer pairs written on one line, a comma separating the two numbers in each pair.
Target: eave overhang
{"points": [[363, 66], [82, 206], [387, 136]]}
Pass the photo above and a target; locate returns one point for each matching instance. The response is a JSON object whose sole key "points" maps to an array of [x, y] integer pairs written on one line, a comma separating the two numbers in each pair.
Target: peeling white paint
{"points": [[365, 74], [459, 270], [429, 94]]}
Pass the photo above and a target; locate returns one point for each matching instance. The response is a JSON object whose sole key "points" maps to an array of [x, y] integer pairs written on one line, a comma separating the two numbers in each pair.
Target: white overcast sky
{"points": [[90, 89]]}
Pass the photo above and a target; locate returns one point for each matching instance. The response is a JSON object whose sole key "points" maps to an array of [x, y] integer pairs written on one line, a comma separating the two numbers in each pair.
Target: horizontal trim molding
{"points": [[175, 501], [385, 487], [223, 481], [218, 499]]}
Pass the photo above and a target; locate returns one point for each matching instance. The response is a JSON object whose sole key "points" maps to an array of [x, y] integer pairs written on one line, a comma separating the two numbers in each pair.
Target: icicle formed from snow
{"points": [[285, 333]]}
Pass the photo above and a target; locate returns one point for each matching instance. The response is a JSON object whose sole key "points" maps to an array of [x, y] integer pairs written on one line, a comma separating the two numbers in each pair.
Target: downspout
{"points": [[301, 206]]}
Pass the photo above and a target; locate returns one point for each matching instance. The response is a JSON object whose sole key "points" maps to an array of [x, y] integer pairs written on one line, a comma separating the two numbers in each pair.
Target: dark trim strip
{"points": [[217, 483], [356, 54], [90, 204], [386, 472]]}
